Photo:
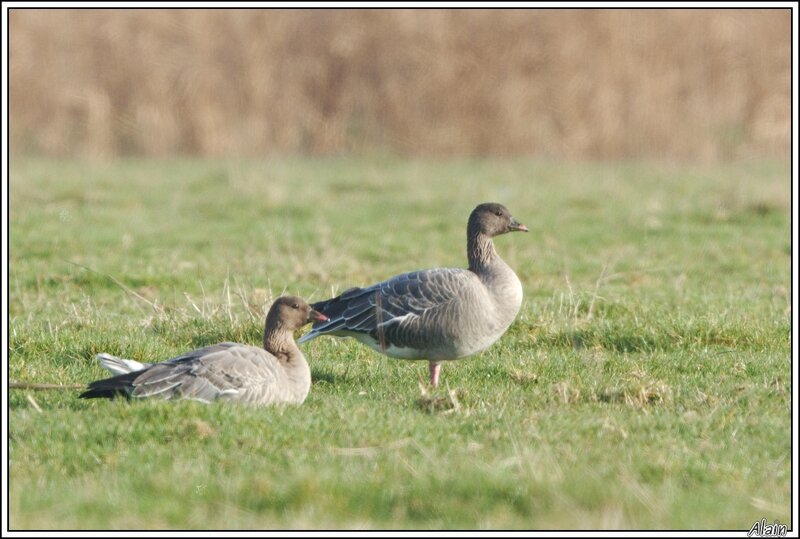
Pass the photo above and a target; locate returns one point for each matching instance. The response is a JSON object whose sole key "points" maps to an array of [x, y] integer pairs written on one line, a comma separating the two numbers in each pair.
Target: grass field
{"points": [[645, 384]]}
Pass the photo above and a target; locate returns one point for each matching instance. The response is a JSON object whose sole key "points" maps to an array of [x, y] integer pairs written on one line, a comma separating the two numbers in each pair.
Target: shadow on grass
{"points": [[617, 341], [318, 376], [648, 340]]}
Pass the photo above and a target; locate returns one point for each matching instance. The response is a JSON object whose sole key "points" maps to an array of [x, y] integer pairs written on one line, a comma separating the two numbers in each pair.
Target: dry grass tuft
{"points": [[203, 429], [431, 403], [523, 377], [639, 390], [567, 393]]}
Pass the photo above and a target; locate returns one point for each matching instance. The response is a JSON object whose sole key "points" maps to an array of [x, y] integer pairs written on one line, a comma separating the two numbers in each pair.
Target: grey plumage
{"points": [[277, 373], [437, 314]]}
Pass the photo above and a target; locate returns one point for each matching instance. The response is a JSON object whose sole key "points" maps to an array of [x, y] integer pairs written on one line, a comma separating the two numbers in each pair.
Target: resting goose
{"points": [[277, 373], [436, 314]]}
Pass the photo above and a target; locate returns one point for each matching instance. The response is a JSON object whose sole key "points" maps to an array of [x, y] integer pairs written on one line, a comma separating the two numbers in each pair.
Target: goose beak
{"points": [[316, 316], [516, 225]]}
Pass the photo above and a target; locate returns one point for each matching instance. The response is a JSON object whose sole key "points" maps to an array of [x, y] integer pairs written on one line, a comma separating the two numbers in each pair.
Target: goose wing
{"points": [[224, 370], [407, 311]]}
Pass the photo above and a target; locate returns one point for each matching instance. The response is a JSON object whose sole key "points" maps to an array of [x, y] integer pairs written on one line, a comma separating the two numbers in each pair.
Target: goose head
{"points": [[291, 313], [493, 219]]}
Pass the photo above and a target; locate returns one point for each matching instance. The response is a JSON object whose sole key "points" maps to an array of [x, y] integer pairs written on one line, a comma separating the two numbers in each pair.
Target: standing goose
{"points": [[277, 373], [436, 314]]}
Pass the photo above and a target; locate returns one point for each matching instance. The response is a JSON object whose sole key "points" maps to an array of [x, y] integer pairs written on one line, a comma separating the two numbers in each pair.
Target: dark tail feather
{"points": [[109, 388], [334, 308]]}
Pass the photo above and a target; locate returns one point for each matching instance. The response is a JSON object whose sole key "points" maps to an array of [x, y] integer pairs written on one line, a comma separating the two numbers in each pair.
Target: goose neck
{"points": [[278, 341], [480, 251]]}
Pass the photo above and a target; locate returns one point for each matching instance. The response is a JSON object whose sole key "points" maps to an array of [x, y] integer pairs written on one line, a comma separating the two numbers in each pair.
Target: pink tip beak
{"points": [[317, 316], [516, 225]]}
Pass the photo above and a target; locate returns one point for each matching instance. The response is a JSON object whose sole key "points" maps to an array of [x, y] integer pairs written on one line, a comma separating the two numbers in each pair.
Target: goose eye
{"points": [[295, 306]]}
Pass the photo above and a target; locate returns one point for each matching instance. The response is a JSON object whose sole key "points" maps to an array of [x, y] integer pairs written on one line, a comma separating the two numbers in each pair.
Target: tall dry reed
{"points": [[689, 84]]}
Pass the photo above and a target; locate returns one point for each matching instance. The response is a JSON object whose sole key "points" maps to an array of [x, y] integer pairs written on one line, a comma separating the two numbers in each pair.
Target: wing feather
{"points": [[393, 311]]}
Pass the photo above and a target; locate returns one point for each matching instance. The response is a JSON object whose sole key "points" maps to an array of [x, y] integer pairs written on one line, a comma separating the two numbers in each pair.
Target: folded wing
{"points": [[224, 370], [405, 311]]}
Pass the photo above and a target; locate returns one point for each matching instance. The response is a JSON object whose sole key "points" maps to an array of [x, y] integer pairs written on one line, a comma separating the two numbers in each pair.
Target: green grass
{"points": [[645, 384]]}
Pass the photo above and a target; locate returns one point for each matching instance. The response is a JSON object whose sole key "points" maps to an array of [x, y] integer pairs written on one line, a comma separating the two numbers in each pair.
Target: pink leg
{"points": [[434, 367]]}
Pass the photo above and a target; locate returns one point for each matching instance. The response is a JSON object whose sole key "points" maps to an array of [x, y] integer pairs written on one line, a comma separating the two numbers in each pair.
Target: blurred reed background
{"points": [[705, 85]]}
